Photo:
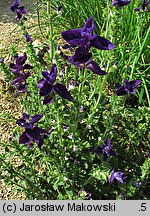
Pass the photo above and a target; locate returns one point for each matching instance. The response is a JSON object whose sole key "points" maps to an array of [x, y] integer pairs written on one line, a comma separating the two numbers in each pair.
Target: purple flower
{"points": [[138, 183], [21, 78], [128, 87], [28, 38], [32, 132], [19, 70], [88, 195], [65, 127], [119, 176], [19, 10], [28, 121], [20, 82], [10, 139], [20, 64], [72, 85], [2, 60], [47, 86], [85, 37], [106, 149], [70, 136], [120, 3], [143, 6], [59, 9], [82, 59], [81, 109]]}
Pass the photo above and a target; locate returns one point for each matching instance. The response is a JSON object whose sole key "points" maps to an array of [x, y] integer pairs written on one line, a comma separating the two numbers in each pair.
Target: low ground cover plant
{"points": [[84, 93]]}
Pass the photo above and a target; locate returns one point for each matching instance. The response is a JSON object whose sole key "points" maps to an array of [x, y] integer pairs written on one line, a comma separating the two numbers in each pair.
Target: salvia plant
{"points": [[84, 100]]}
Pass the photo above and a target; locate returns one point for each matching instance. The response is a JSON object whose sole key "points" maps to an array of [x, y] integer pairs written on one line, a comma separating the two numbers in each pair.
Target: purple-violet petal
{"points": [[35, 118], [19, 15], [24, 139], [62, 91], [73, 37], [112, 177], [21, 59], [28, 38], [46, 89], [88, 27], [120, 3], [51, 76], [48, 100], [22, 10], [102, 43], [121, 91], [27, 66], [93, 66], [33, 133]]}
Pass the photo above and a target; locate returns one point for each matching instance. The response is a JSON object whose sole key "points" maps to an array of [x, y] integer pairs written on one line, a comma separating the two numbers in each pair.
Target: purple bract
{"points": [[59, 9], [20, 70], [2, 60], [28, 38], [85, 37], [119, 176], [32, 132], [47, 86], [106, 149], [120, 3], [143, 6], [19, 10], [20, 64], [128, 87], [82, 59]]}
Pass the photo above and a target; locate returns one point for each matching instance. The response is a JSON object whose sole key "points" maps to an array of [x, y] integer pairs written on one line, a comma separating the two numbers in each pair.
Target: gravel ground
{"points": [[9, 34]]}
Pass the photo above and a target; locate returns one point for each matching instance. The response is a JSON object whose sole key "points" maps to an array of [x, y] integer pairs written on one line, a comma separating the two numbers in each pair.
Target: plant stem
{"points": [[80, 74], [50, 29], [97, 102], [39, 24]]}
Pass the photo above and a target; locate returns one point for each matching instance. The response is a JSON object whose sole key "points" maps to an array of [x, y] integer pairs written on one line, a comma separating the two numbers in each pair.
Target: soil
{"points": [[9, 30], [9, 35]]}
